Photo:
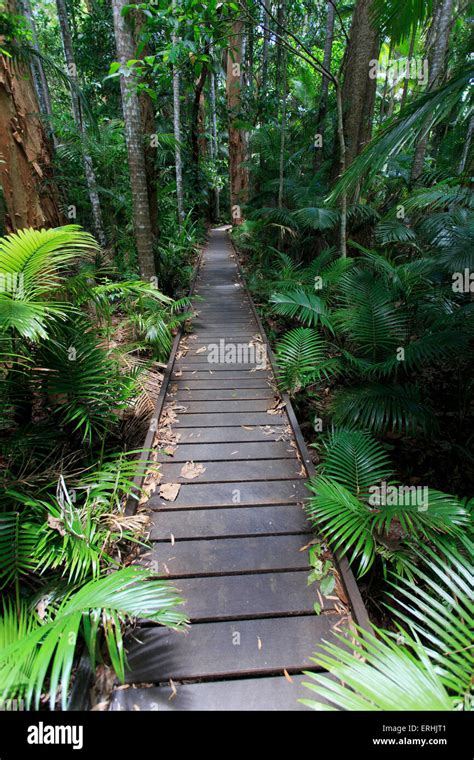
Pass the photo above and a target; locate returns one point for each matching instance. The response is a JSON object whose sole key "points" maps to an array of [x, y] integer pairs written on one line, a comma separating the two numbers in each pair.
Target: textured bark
{"points": [[198, 143], [467, 146], [406, 80], [79, 122], [30, 196], [323, 100], [177, 136], [438, 45], [37, 68], [266, 40], [284, 75], [358, 89], [214, 146], [238, 175], [147, 112], [134, 141]]}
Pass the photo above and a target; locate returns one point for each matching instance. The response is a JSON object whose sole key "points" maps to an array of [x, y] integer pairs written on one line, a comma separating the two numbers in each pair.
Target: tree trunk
{"points": [[147, 113], [467, 145], [42, 87], [30, 196], [323, 100], [358, 89], [284, 74], [342, 169], [197, 119], [406, 80], [214, 143], [238, 176], [134, 141], [177, 135], [78, 120], [439, 39], [266, 41]]}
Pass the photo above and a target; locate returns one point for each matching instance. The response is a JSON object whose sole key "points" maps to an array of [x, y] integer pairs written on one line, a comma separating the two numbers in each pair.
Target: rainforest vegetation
{"points": [[335, 136]]}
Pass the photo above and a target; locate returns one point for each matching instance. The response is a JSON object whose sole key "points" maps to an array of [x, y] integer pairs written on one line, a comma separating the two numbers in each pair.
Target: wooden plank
{"points": [[234, 434], [228, 405], [236, 597], [228, 521], [220, 452], [229, 419], [235, 471], [232, 374], [203, 365], [211, 383], [219, 650], [224, 556], [234, 494], [244, 694], [221, 394]]}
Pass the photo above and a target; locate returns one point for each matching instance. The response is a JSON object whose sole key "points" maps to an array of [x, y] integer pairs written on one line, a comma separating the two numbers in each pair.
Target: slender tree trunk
{"points": [[342, 169], [385, 86], [284, 73], [29, 192], [214, 143], [177, 135], [266, 41], [238, 179], [405, 81], [147, 113], [42, 88], [134, 141], [323, 100], [78, 120], [467, 146], [196, 119], [437, 59], [358, 89]]}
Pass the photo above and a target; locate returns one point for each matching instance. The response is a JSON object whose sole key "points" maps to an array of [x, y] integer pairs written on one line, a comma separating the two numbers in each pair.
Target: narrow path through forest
{"points": [[233, 539]]}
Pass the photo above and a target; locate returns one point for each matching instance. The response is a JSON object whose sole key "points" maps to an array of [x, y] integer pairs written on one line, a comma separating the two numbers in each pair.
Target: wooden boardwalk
{"points": [[233, 539]]}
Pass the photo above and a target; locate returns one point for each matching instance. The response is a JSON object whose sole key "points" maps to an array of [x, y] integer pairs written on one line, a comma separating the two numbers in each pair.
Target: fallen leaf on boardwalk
{"points": [[234, 452], [287, 676], [169, 491], [259, 642], [191, 470], [247, 427], [201, 350], [174, 691], [340, 590], [277, 408], [169, 450], [174, 389], [172, 539], [302, 471], [178, 373], [311, 543], [149, 488]]}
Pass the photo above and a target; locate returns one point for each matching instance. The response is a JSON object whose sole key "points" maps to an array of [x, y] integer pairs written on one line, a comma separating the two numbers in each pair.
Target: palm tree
{"points": [[79, 121], [134, 141]]}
